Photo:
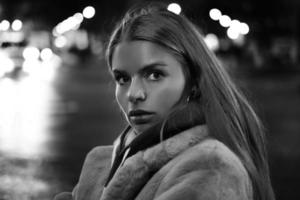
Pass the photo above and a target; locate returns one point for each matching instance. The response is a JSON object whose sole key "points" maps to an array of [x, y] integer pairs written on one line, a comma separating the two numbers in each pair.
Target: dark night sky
{"points": [[266, 15]]}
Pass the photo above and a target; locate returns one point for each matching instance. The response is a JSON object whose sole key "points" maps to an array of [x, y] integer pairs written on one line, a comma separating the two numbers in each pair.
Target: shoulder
{"points": [[212, 156], [98, 155], [100, 151], [96, 163], [211, 153], [93, 173], [207, 169]]}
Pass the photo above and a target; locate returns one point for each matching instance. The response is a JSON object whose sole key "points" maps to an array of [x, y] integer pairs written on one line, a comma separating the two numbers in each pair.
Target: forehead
{"points": [[136, 54]]}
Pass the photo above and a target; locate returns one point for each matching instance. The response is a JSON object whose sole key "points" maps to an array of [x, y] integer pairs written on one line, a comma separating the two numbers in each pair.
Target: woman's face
{"points": [[149, 82]]}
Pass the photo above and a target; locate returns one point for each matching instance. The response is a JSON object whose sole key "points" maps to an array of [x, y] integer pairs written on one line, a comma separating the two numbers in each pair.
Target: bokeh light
{"points": [[60, 41], [225, 21], [235, 24], [4, 25], [46, 54], [175, 8], [212, 41], [89, 12], [59, 29], [31, 53], [17, 25], [244, 28], [22, 117], [215, 14], [79, 17], [233, 33]]}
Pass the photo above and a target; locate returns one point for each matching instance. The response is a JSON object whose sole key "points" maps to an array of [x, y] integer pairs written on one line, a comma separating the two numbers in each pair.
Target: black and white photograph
{"points": [[149, 99]]}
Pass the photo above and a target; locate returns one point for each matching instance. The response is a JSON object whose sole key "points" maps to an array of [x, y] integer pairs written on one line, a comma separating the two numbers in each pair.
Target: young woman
{"points": [[191, 133]]}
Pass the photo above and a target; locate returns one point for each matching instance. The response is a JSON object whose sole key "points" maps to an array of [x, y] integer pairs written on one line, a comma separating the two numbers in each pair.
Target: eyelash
{"points": [[154, 72], [147, 75], [119, 77]]}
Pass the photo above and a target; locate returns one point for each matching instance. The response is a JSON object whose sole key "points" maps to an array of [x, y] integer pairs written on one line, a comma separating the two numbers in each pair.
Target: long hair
{"points": [[228, 115]]}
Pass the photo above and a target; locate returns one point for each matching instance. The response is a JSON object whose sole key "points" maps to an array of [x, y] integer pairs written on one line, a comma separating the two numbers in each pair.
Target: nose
{"points": [[136, 91]]}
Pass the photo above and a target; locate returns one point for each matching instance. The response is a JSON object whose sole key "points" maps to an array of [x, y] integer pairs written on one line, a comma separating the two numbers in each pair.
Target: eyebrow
{"points": [[145, 68]]}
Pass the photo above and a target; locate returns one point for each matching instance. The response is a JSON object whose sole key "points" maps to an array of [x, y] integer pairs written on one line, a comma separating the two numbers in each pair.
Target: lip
{"points": [[135, 113], [140, 116]]}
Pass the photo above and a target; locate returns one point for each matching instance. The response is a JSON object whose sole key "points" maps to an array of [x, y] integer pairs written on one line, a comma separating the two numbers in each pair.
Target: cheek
{"points": [[121, 98], [168, 95]]}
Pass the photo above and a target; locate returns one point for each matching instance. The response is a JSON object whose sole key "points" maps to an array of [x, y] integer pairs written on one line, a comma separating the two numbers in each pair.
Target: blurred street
{"points": [[48, 126]]}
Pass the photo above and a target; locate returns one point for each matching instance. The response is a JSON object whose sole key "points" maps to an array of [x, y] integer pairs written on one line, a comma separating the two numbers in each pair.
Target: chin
{"points": [[141, 128]]}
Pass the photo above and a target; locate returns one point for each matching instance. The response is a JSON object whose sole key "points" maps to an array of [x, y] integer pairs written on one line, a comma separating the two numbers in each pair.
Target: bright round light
{"points": [[78, 17], [17, 25], [225, 21], [235, 23], [89, 12], [59, 29], [60, 42], [31, 53], [46, 54], [4, 26], [244, 28], [70, 23], [215, 14], [233, 33], [212, 41], [175, 8], [73, 23]]}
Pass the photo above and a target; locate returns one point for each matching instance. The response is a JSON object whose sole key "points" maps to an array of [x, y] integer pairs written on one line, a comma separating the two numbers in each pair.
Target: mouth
{"points": [[140, 116]]}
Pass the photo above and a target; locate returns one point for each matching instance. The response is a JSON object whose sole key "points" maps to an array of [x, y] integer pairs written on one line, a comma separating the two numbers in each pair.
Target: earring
{"points": [[188, 99], [193, 95]]}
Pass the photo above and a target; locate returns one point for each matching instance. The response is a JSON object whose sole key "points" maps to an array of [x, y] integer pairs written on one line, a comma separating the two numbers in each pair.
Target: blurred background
{"points": [[57, 97]]}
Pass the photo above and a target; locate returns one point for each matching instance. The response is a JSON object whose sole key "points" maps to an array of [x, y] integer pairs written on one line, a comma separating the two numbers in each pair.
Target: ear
{"points": [[195, 92]]}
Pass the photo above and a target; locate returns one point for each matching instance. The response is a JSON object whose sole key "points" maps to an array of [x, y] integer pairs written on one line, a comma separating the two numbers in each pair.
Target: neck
{"points": [[130, 136]]}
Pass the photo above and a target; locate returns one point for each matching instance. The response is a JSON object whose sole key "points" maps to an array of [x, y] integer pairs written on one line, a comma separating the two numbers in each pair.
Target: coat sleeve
{"points": [[93, 176], [211, 174]]}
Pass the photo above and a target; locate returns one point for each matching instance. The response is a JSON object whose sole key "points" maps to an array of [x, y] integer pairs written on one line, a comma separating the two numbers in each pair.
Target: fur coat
{"points": [[189, 165]]}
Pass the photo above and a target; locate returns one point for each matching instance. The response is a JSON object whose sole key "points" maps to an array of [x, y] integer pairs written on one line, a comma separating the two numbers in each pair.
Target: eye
{"points": [[121, 79], [155, 75]]}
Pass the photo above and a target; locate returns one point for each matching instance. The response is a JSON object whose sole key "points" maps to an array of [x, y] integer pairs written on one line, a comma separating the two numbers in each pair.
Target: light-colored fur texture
{"points": [[189, 165]]}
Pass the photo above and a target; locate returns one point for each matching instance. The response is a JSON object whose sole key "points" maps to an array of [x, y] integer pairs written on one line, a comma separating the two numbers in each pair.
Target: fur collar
{"points": [[180, 119], [132, 174]]}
